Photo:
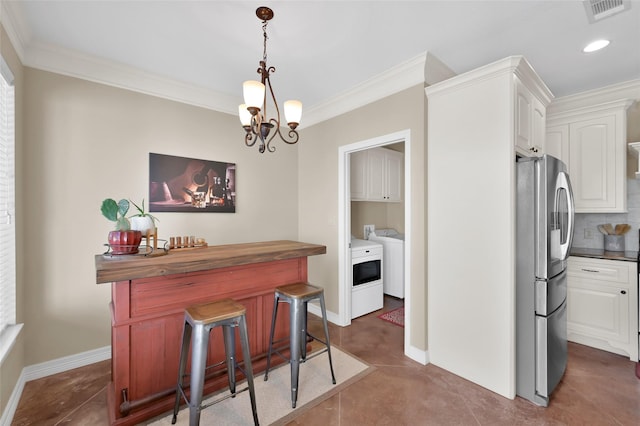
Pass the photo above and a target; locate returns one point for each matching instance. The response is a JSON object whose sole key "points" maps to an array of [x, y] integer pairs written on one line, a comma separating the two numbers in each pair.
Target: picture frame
{"points": [[182, 184]]}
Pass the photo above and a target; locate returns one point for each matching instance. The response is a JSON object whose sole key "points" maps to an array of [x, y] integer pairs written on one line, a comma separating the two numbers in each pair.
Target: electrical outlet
{"points": [[588, 233], [368, 229]]}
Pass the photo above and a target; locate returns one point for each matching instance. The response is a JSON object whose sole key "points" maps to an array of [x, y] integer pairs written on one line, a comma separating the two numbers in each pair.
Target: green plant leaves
{"points": [[109, 209]]}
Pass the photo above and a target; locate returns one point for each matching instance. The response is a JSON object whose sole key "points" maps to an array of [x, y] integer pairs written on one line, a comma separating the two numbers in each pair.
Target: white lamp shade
{"points": [[253, 92], [244, 114], [293, 111]]}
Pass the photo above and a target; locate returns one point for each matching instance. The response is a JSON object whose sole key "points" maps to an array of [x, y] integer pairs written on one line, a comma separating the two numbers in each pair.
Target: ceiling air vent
{"points": [[600, 9]]}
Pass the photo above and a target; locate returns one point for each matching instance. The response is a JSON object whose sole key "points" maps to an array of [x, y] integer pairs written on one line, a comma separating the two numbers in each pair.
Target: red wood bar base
{"points": [[148, 315]]}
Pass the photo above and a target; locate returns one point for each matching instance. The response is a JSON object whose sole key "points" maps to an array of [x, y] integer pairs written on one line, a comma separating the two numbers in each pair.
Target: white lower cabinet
{"points": [[602, 305]]}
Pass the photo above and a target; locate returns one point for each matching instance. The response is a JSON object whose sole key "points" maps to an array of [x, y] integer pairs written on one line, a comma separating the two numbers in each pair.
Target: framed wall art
{"points": [[179, 184]]}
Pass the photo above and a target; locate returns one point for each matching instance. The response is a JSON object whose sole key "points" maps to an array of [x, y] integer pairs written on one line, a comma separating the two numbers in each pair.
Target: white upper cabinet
{"points": [[530, 122], [376, 175], [592, 142], [557, 143], [359, 175]]}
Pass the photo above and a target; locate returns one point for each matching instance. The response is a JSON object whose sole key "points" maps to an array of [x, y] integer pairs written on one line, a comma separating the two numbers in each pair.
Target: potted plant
{"points": [[143, 221], [122, 240]]}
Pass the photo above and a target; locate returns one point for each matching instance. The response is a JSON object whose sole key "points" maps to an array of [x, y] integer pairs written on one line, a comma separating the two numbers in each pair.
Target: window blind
{"points": [[7, 199]]}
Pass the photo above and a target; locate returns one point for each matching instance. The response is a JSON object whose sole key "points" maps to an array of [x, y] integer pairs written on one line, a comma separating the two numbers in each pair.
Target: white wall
{"points": [[471, 229]]}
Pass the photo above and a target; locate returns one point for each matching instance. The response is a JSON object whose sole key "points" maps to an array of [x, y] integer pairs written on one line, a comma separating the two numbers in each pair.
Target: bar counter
{"points": [[111, 268], [148, 298]]}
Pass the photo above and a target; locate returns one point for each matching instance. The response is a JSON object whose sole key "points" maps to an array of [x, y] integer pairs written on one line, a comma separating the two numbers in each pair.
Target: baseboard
{"points": [[12, 403], [332, 317], [44, 369], [416, 354]]}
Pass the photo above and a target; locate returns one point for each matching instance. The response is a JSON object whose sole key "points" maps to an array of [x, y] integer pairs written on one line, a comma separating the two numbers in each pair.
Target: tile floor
{"points": [[598, 388]]}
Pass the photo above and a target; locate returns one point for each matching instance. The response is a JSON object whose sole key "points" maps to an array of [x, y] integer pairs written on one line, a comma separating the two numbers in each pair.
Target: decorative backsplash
{"points": [[587, 223]]}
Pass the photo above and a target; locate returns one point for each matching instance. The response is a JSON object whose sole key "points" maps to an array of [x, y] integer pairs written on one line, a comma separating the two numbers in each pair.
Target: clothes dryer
{"points": [[393, 256]]}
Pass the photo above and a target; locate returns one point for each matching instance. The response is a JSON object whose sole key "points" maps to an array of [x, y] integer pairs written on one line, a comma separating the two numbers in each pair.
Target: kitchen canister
{"points": [[614, 242]]}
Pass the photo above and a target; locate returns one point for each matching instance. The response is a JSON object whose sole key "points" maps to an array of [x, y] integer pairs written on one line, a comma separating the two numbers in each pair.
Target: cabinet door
{"points": [[598, 309], [523, 119], [557, 144], [376, 186], [359, 175], [530, 122], [593, 164], [394, 170], [538, 126], [602, 301]]}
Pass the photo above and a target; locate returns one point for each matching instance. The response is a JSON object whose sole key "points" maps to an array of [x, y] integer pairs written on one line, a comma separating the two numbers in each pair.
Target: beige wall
{"points": [[318, 206], [15, 362], [85, 142], [382, 215]]}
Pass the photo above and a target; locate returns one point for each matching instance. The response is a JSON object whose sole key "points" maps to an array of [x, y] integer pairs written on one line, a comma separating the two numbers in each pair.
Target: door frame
{"points": [[344, 224]]}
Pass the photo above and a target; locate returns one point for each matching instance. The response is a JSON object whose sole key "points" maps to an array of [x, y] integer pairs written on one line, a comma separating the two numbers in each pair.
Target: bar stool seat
{"points": [[298, 295], [199, 320]]}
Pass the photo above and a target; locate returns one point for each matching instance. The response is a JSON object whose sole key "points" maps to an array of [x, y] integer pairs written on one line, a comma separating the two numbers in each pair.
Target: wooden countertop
{"points": [[126, 267]]}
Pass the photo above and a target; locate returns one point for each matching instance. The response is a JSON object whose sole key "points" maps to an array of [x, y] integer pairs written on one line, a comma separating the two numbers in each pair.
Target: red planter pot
{"points": [[124, 242]]}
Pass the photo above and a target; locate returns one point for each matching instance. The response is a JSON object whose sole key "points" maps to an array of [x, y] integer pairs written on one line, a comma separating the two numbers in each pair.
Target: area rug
{"points": [[394, 317], [273, 397]]}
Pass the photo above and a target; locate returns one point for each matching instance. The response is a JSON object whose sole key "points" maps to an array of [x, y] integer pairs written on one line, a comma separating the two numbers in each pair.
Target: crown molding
{"points": [[70, 63], [394, 80], [625, 90], [13, 23], [517, 65], [87, 67], [504, 66], [90, 68]]}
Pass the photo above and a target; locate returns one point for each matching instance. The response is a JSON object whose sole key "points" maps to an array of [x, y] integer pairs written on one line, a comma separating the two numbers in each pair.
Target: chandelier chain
{"points": [[264, 32]]}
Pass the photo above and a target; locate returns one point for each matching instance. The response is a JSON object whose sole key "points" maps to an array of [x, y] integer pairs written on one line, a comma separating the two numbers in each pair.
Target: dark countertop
{"points": [[629, 256]]}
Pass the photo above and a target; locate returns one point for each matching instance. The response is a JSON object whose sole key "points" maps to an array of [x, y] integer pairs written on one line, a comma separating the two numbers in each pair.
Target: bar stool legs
{"points": [[298, 295], [199, 320]]}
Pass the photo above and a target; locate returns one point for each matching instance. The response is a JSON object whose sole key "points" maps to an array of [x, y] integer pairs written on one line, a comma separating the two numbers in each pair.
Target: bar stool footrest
{"points": [[222, 398]]}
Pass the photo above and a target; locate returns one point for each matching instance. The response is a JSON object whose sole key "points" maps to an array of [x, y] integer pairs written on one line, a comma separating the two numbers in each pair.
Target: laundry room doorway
{"points": [[389, 213]]}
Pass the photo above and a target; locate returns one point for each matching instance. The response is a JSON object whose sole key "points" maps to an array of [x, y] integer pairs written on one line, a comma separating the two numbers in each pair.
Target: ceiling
{"points": [[320, 49]]}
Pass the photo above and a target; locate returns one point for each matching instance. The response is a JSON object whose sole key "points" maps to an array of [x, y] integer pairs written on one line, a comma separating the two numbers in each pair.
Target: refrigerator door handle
{"points": [[563, 183]]}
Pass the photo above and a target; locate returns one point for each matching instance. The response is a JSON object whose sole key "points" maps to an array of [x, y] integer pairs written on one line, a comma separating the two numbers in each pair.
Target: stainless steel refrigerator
{"points": [[544, 231]]}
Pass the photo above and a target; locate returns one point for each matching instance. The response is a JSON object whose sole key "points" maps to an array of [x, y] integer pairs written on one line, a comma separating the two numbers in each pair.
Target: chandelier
{"points": [[253, 112]]}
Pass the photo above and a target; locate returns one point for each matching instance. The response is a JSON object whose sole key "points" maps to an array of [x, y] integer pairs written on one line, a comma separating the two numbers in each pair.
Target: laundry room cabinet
{"points": [[602, 310], [376, 175], [591, 140]]}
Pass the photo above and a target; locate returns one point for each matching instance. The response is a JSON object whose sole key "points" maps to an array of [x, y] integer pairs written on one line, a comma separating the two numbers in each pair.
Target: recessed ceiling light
{"points": [[595, 45]]}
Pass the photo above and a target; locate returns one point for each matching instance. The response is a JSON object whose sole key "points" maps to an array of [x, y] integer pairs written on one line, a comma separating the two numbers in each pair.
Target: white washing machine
{"points": [[367, 284], [393, 255]]}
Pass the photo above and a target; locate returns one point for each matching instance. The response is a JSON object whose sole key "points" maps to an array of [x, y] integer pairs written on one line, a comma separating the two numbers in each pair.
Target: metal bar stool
{"points": [[298, 295], [198, 322]]}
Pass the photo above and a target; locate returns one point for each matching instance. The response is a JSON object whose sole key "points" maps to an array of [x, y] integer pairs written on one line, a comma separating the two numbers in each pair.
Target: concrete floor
{"points": [[598, 388]]}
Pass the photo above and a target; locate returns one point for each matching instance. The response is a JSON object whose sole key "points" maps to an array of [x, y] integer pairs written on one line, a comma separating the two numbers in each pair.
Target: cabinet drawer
{"points": [[170, 293], [597, 269]]}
